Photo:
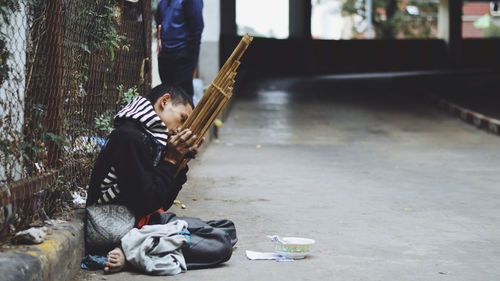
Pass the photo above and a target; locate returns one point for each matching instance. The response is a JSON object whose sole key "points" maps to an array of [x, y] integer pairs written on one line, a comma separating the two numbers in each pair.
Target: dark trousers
{"points": [[177, 68], [211, 241]]}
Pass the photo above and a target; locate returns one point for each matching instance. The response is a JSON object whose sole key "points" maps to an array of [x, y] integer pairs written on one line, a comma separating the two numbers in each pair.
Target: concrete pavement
{"points": [[390, 187]]}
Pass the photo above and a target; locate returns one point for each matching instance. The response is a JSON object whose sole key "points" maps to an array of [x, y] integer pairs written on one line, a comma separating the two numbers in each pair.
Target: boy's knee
{"points": [[226, 249], [220, 248], [209, 251]]}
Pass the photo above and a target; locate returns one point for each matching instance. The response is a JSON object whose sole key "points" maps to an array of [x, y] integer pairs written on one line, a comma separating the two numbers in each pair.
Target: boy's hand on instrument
{"points": [[179, 145], [192, 154]]}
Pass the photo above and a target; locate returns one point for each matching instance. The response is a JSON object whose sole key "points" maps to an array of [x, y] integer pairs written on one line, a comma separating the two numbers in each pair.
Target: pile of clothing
{"points": [[169, 245]]}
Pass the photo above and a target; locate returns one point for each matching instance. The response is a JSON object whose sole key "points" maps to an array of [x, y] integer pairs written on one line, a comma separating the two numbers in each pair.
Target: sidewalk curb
{"points": [[57, 258], [479, 120]]}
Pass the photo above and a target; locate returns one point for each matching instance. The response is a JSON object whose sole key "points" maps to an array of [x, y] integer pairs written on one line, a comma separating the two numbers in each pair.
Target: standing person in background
{"points": [[180, 23]]}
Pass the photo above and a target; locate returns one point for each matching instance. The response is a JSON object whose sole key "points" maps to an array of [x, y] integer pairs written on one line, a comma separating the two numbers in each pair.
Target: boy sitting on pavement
{"points": [[136, 168]]}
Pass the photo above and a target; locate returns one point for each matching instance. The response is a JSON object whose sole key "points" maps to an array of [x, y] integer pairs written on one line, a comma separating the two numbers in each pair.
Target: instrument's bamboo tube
{"points": [[216, 96], [201, 115], [236, 54]]}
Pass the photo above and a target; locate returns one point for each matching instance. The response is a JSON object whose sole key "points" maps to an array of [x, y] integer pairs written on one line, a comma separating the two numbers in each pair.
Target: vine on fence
{"points": [[7, 8], [93, 43], [28, 147], [104, 122]]}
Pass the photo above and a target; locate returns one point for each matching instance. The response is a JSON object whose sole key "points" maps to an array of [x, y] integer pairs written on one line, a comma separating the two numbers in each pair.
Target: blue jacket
{"points": [[181, 24]]}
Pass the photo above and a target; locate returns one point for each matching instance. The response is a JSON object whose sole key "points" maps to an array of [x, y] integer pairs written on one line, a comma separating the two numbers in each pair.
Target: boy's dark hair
{"points": [[177, 94]]}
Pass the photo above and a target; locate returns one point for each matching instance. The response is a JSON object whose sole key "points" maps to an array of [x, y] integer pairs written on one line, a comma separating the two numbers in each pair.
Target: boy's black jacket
{"points": [[146, 182]]}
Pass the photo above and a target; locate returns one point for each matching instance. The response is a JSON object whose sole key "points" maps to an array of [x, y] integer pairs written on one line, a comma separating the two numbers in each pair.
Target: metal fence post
{"points": [[147, 25], [54, 78]]}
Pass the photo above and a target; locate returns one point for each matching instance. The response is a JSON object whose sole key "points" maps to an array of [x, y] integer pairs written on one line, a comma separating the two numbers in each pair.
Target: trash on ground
{"points": [[31, 236], [292, 247], [217, 141], [94, 262], [79, 197], [218, 123], [183, 206], [253, 255], [87, 144], [287, 249], [39, 168], [177, 202]]}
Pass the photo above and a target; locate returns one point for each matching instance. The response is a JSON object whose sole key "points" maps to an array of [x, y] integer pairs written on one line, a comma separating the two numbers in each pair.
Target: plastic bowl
{"points": [[293, 247]]}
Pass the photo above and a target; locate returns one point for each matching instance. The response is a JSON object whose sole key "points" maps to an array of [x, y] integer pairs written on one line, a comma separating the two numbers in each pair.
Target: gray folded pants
{"points": [[211, 241]]}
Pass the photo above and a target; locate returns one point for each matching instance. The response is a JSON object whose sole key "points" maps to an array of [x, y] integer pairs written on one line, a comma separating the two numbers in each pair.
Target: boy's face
{"points": [[172, 115]]}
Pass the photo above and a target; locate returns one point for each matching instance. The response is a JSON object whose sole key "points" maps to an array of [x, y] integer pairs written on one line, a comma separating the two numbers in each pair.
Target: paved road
{"points": [[390, 187]]}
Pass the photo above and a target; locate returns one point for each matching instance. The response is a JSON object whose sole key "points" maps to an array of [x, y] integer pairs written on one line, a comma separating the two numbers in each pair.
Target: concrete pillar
{"points": [[228, 17], [227, 27], [444, 20], [208, 64], [54, 78], [299, 19], [450, 28]]}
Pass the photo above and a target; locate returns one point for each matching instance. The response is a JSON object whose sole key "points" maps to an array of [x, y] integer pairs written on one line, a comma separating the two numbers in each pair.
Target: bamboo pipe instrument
{"points": [[215, 97]]}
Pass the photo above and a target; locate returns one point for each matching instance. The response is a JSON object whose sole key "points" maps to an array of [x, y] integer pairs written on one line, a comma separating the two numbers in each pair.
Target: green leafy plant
{"points": [[127, 96], [492, 31], [15, 145], [57, 139], [104, 121], [52, 198], [389, 19], [102, 18]]}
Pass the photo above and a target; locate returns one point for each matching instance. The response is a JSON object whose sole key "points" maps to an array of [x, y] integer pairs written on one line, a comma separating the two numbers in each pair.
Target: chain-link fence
{"points": [[66, 66]]}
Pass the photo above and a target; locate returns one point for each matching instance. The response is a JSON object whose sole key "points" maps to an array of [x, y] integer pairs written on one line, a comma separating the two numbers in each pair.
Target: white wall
{"points": [[208, 64], [12, 89], [444, 20]]}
